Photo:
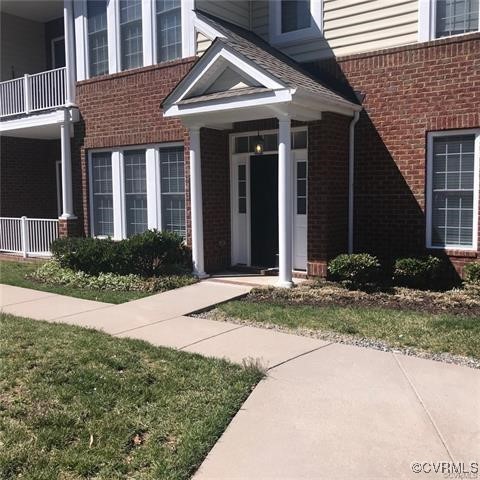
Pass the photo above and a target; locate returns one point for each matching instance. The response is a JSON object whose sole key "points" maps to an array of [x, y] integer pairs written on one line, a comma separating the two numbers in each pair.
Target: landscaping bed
{"points": [[76, 403], [439, 325]]}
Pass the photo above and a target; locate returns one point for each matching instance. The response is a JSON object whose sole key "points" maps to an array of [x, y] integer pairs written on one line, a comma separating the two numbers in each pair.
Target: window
{"points": [[97, 37], [172, 175], [454, 17], [102, 194], [242, 189], [295, 15], [295, 21], [301, 188], [58, 52], [135, 172], [452, 191], [442, 18], [131, 45], [169, 30]]}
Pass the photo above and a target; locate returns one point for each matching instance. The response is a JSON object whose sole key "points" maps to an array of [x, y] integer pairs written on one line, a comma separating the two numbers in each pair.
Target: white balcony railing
{"points": [[33, 93], [27, 236]]}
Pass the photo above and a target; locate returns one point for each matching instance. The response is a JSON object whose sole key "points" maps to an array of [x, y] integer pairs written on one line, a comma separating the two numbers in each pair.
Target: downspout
{"points": [[351, 178]]}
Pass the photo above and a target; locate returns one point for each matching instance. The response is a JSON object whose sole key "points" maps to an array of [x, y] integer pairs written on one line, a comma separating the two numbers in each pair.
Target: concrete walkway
{"points": [[325, 411]]}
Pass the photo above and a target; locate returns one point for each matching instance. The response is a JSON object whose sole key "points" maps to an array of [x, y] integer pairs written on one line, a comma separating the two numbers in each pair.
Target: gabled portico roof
{"points": [[241, 77]]}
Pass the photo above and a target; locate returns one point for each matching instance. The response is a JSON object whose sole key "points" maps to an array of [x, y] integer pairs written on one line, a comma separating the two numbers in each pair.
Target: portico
{"points": [[238, 81]]}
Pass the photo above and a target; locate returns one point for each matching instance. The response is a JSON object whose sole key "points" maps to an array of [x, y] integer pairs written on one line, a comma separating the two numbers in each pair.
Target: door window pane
{"points": [[102, 194], [452, 195], [169, 30], [242, 189], [131, 33], [301, 188], [295, 15], [135, 191], [172, 173], [455, 17], [97, 37]]}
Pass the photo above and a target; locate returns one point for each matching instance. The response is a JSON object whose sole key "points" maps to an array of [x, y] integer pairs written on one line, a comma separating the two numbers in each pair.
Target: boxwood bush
{"points": [[152, 253], [356, 271], [472, 273], [423, 273]]}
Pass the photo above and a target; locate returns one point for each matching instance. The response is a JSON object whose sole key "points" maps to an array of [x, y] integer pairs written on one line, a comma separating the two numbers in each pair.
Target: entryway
{"points": [[254, 200]]}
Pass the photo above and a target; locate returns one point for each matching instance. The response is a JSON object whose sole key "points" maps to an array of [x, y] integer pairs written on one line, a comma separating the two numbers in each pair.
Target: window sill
{"points": [[452, 252]]}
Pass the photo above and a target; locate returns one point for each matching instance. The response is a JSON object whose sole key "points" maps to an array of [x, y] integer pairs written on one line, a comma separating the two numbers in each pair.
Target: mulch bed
{"points": [[463, 302]]}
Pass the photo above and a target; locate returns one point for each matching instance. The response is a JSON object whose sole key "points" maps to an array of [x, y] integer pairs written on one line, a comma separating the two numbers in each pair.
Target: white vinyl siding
{"points": [[452, 190], [131, 42], [234, 11], [202, 43], [350, 27], [102, 194]]}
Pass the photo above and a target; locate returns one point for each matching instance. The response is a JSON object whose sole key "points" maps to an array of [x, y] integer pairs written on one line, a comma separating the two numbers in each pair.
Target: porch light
{"points": [[259, 144]]}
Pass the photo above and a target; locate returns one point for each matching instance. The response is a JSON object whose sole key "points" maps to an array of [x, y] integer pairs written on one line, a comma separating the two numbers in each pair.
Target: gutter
{"points": [[351, 178]]}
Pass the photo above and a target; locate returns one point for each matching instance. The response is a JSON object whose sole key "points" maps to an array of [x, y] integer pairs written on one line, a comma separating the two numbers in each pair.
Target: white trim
{"points": [[205, 28], [113, 36], [149, 33], [429, 186], [152, 160], [427, 14], [298, 36], [188, 29], [81, 39]]}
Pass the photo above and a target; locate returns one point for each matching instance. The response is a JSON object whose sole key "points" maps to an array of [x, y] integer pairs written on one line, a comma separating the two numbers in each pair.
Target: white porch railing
{"points": [[32, 93], [28, 236]]}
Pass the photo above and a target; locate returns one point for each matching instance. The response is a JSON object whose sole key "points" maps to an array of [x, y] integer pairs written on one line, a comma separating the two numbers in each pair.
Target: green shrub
{"points": [[151, 253], [53, 273], [423, 273], [357, 270], [472, 273]]}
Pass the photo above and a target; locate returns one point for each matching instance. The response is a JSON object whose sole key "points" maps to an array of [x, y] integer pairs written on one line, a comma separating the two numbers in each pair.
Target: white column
{"points": [[67, 196], [196, 203], [69, 52], [285, 199]]}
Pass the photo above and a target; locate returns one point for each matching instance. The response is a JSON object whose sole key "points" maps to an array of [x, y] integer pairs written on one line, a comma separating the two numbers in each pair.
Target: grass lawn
{"points": [[78, 404], [398, 328], [13, 273]]}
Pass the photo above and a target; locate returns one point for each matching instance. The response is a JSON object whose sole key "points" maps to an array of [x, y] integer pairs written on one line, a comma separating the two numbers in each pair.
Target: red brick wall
{"points": [[409, 91], [123, 109], [327, 190], [28, 177], [216, 198]]}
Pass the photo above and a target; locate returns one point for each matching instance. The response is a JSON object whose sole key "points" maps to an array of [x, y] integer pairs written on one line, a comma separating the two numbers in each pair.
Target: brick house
{"points": [[264, 132]]}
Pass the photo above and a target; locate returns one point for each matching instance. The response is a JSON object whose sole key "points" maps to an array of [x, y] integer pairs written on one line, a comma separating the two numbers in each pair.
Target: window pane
{"points": [[169, 30], [135, 191], [97, 37], [271, 142], [242, 189], [102, 194], [241, 144], [301, 188], [456, 16], [295, 15], [299, 140], [172, 173], [131, 33], [452, 196]]}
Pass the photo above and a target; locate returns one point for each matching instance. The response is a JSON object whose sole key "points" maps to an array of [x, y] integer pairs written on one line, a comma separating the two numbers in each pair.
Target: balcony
{"points": [[33, 93]]}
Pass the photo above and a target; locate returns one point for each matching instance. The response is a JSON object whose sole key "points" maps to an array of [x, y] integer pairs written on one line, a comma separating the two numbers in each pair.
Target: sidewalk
{"points": [[325, 411]]}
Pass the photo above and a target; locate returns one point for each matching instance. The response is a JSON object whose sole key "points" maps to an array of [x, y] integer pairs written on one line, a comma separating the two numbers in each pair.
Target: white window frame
{"points": [[149, 35], [429, 193], [154, 210], [427, 18], [297, 36]]}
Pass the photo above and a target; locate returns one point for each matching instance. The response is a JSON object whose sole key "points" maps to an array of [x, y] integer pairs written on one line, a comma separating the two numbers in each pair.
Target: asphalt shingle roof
{"points": [[257, 50]]}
